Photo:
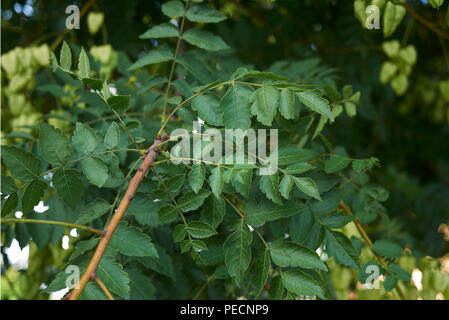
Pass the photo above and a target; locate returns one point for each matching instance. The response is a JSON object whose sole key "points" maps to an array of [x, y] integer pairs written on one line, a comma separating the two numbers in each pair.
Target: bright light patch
{"points": [[65, 242], [74, 233], [40, 207], [17, 257]]}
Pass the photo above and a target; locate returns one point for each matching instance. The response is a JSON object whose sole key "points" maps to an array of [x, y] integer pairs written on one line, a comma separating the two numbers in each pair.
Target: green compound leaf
{"points": [[204, 14], [197, 176], [54, 146], [342, 249], [69, 186], [95, 170], [236, 107], [131, 241], [84, 139], [291, 254], [264, 103], [22, 164], [238, 252], [32, 195], [204, 40], [313, 101], [164, 30], [301, 284]]}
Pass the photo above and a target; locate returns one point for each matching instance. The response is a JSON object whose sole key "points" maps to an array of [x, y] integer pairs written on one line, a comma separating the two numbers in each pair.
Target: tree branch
{"points": [[426, 23], [148, 160]]}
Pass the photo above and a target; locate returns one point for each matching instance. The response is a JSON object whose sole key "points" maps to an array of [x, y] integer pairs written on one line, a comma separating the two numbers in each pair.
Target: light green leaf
{"points": [[93, 211], [82, 246], [269, 185], [154, 56], [119, 103], [337, 220], [291, 254], [286, 103], [301, 284], [173, 9], [257, 213], [286, 186], [22, 164], [313, 101], [308, 186], [164, 30], [10, 204], [131, 241], [95, 170], [207, 106], [236, 107], [365, 164], [83, 65], [342, 249], [238, 252], [276, 288], [196, 177], [336, 163], [387, 248], [292, 154], [179, 233], [204, 40], [213, 211], [260, 272], [8, 185], [112, 136], [192, 201], [393, 16], [298, 168], [114, 277], [92, 292], [65, 57], [84, 139], [54, 146], [204, 14], [32, 195], [264, 103], [216, 181], [199, 229], [93, 83], [241, 181], [69, 186], [167, 213]]}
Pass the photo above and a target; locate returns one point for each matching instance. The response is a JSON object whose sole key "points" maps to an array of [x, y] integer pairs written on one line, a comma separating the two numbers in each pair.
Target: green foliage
{"points": [[278, 236]]}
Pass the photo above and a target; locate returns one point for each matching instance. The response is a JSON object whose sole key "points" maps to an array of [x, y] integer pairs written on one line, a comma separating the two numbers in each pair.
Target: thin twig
{"points": [[59, 223], [426, 23], [103, 287]]}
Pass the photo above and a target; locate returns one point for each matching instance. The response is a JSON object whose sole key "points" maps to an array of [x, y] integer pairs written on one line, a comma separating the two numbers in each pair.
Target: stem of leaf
{"points": [[60, 223], [103, 287], [173, 65]]}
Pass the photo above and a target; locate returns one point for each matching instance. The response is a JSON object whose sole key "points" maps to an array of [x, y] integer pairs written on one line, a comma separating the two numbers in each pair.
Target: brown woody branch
{"points": [[426, 23], [148, 159]]}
